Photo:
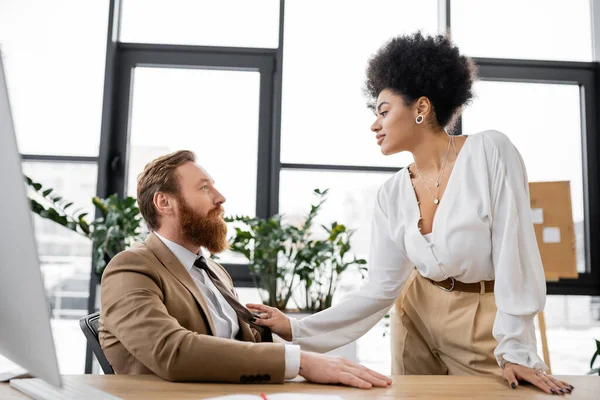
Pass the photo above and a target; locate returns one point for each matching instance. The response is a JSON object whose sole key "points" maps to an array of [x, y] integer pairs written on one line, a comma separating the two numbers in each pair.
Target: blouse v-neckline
{"points": [[449, 185]]}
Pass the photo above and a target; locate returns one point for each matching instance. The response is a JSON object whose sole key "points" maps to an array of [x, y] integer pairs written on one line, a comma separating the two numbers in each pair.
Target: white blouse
{"points": [[482, 230]]}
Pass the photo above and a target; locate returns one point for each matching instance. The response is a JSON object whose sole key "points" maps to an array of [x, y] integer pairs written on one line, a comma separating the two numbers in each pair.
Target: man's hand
{"points": [[514, 372], [319, 368], [274, 319]]}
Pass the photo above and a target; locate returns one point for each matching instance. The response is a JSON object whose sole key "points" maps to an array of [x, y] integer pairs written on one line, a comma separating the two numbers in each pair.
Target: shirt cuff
{"points": [[292, 361], [522, 356]]}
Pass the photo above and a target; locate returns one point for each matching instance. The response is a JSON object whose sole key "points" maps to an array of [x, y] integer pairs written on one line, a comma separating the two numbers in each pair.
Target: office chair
{"points": [[89, 326]]}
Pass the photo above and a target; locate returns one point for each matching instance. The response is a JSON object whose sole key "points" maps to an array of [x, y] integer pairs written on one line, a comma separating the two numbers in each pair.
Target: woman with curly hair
{"points": [[453, 248]]}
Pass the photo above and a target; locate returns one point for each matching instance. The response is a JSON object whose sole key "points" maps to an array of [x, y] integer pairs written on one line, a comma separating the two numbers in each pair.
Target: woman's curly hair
{"points": [[415, 65]]}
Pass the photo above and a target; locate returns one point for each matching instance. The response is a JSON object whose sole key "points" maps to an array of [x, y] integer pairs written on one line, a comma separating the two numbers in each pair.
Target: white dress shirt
{"points": [[223, 315], [482, 230]]}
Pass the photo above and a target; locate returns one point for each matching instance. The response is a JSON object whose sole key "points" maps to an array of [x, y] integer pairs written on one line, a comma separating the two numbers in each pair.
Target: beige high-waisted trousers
{"points": [[434, 332]]}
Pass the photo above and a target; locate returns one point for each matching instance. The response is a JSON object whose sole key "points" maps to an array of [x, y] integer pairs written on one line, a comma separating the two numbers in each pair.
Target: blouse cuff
{"points": [[526, 359], [294, 324]]}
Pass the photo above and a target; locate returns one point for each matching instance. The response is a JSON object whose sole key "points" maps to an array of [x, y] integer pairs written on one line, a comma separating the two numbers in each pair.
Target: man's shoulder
{"points": [[137, 256], [133, 270]]}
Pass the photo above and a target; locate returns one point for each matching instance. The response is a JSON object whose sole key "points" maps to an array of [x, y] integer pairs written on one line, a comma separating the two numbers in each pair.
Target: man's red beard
{"points": [[209, 232]]}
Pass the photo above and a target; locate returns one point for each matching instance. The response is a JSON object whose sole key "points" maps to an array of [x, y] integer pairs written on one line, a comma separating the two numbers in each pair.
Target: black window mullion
{"points": [[265, 139], [275, 149]]}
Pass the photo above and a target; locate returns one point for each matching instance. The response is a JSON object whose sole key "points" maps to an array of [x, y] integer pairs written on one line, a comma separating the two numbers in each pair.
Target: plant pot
{"points": [[348, 351]]}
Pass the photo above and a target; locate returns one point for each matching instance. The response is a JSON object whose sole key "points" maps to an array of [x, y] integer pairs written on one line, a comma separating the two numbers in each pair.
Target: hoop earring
{"points": [[419, 119]]}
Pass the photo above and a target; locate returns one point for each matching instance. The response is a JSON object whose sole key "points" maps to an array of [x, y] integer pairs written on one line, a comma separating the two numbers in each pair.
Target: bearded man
{"points": [[168, 310]]}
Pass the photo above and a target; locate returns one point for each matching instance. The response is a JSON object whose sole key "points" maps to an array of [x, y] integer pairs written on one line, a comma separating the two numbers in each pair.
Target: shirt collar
{"points": [[185, 257]]}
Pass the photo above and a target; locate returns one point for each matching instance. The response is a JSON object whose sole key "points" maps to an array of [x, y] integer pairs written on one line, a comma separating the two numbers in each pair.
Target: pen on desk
{"points": [[263, 396]]}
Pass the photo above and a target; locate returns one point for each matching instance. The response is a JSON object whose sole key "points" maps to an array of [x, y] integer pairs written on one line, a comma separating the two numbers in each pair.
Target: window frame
{"points": [[120, 61]]}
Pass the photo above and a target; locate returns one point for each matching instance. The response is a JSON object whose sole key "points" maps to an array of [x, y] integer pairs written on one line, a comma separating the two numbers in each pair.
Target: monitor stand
{"points": [[15, 373]]}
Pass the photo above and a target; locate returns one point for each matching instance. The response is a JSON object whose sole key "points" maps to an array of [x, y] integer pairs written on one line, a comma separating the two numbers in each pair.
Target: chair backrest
{"points": [[89, 326]]}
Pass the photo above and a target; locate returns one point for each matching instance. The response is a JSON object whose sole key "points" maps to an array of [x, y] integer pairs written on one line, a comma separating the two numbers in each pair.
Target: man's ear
{"points": [[165, 204]]}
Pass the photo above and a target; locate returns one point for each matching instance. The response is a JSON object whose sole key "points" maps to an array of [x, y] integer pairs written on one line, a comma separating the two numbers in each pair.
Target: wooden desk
{"points": [[413, 387]]}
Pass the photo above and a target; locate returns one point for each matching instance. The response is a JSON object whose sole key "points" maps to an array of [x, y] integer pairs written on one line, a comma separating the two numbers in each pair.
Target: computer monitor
{"points": [[25, 332]]}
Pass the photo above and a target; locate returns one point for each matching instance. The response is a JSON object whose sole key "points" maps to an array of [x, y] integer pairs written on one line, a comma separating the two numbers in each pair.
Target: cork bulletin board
{"points": [[552, 216]]}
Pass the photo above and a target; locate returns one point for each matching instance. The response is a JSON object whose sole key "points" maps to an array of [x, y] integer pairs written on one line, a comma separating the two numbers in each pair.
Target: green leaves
{"points": [[596, 354], [117, 228], [53, 207], [284, 258]]}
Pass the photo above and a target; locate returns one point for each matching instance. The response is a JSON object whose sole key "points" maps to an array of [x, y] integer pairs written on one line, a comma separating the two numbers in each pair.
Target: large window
{"points": [[54, 55], [65, 257], [326, 142], [350, 200], [324, 118], [531, 29], [572, 323], [211, 112], [237, 23]]}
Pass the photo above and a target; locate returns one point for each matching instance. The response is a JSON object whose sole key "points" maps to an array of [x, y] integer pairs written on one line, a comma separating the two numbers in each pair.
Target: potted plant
{"points": [[117, 228], [296, 263]]}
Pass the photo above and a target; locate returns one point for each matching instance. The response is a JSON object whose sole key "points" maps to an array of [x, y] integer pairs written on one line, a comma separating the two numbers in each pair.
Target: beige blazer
{"points": [[154, 319]]}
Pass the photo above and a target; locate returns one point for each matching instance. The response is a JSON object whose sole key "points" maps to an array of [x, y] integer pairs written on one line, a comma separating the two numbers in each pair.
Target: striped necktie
{"points": [[242, 312]]}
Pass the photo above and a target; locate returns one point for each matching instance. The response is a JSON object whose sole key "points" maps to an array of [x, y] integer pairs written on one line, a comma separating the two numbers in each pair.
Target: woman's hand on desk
{"points": [[274, 319], [514, 372]]}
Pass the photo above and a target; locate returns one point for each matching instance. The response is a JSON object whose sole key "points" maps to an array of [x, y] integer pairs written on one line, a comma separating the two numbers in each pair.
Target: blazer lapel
{"points": [[171, 263]]}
